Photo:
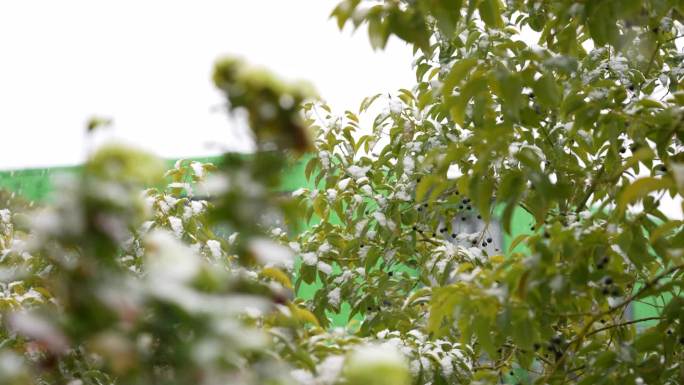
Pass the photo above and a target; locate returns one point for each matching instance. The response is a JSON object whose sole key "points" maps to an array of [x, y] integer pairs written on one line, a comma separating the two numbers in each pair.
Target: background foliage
{"points": [[195, 280]]}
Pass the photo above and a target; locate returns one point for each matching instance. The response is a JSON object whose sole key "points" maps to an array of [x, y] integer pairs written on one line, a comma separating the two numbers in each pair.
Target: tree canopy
{"points": [[566, 112]]}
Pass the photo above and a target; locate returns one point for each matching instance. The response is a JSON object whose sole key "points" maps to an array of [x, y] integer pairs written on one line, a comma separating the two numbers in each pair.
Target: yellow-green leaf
{"points": [[640, 188], [277, 275]]}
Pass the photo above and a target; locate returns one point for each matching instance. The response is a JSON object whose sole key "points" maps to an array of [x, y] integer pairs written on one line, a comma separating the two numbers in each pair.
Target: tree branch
{"points": [[622, 324], [584, 333]]}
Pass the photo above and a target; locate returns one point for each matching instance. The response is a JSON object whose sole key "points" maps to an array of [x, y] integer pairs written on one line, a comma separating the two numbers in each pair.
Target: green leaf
{"points": [[648, 340], [641, 188], [546, 91], [311, 166], [429, 187], [277, 275], [482, 189], [367, 102], [490, 12], [441, 306], [458, 72], [518, 240]]}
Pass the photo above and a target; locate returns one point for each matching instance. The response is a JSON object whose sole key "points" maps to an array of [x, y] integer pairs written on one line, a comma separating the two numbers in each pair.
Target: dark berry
{"points": [[615, 292], [463, 218], [453, 235], [434, 235], [663, 168], [622, 150], [484, 244], [369, 308], [608, 281], [489, 240], [443, 230], [536, 346], [479, 217], [465, 201], [361, 246], [547, 235], [460, 207], [469, 208], [414, 228], [425, 205], [603, 321], [630, 87], [669, 332], [681, 340], [420, 209], [390, 273], [605, 291]]}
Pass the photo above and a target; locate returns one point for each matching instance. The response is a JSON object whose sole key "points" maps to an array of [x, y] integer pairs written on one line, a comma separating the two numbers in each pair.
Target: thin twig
{"points": [[582, 334], [622, 324]]}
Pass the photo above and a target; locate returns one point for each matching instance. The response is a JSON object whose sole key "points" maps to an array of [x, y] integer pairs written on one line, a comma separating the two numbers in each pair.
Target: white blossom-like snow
{"points": [[367, 189], [343, 184], [302, 377], [329, 370], [38, 329], [309, 258], [197, 206], [324, 248], [334, 297], [299, 192], [214, 247], [396, 106], [377, 355], [324, 268], [358, 172], [325, 159], [170, 258], [176, 225], [198, 169], [5, 215], [409, 165], [271, 253], [295, 247]]}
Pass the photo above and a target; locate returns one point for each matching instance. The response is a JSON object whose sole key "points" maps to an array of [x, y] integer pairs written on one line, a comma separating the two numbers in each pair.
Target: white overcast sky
{"points": [[147, 65]]}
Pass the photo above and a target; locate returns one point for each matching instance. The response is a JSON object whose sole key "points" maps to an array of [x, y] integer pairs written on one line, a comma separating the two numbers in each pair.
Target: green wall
{"points": [[36, 185]]}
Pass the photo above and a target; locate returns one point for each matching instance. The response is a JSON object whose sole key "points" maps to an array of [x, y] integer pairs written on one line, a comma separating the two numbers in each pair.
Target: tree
{"points": [[581, 133]]}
